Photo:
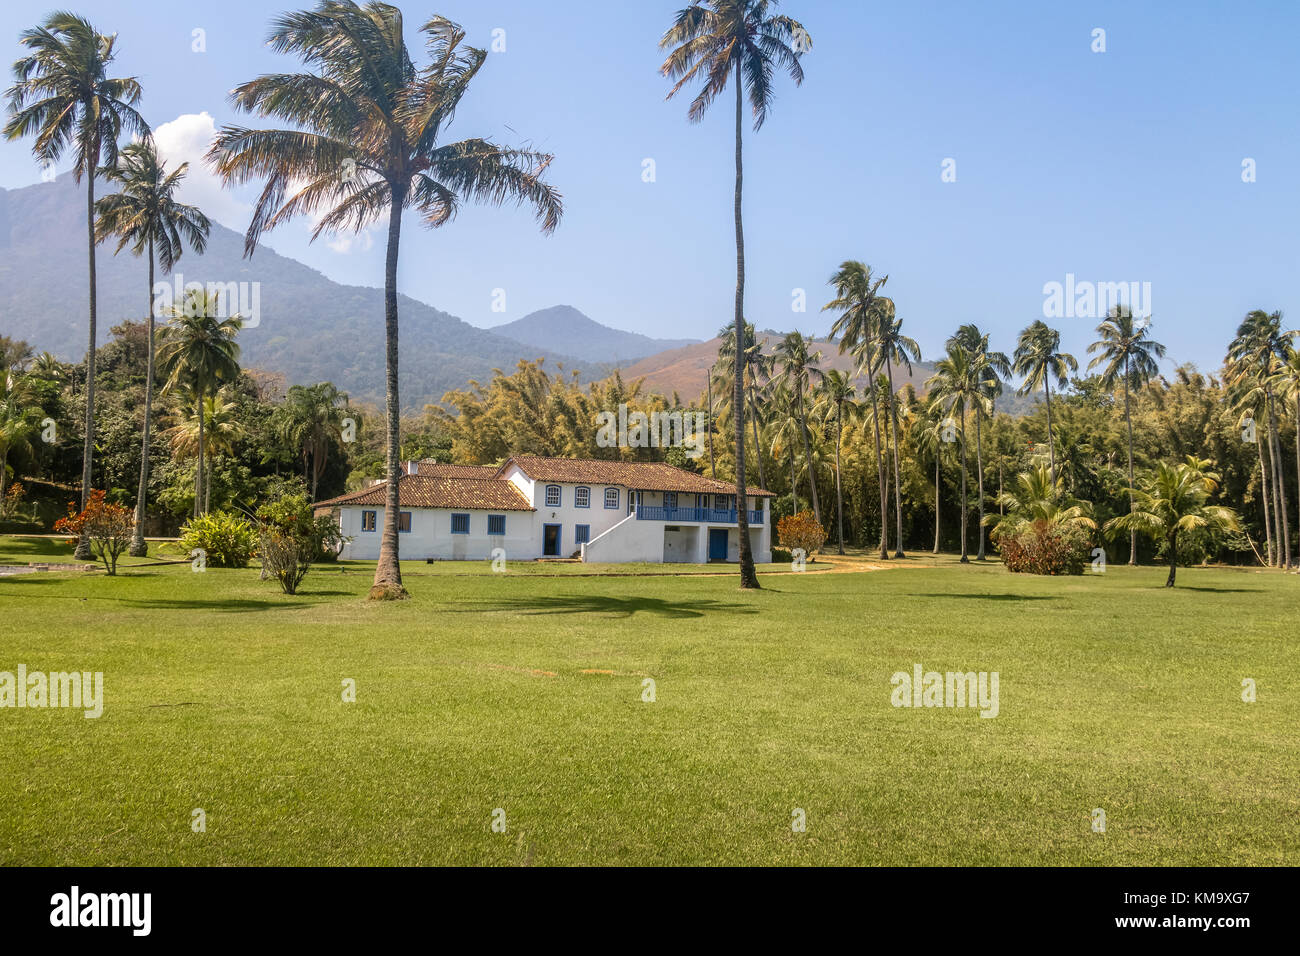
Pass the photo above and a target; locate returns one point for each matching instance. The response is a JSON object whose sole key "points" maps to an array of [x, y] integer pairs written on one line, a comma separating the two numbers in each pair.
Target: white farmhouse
{"points": [[530, 507]]}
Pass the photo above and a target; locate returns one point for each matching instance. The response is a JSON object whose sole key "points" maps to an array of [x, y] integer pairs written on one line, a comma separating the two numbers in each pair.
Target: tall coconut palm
{"points": [[896, 347], [364, 145], [784, 433], [197, 352], [1256, 355], [1128, 353], [1038, 357], [1172, 499], [954, 388], [710, 41], [858, 300], [989, 368], [146, 214], [63, 96], [835, 395], [800, 372]]}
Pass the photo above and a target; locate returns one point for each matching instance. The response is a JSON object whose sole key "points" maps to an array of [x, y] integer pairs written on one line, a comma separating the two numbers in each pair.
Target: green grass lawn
{"points": [[524, 692]]}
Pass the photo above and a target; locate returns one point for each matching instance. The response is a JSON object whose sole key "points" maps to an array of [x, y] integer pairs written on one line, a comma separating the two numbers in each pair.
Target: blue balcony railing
{"points": [[716, 515]]}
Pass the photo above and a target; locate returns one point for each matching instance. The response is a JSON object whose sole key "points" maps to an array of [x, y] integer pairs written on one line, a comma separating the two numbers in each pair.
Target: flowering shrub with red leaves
{"points": [[106, 525], [1043, 548]]}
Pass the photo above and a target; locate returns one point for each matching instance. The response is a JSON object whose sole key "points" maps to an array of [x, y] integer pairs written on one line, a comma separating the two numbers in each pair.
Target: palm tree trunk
{"points": [[83, 551], [880, 461], [713, 468], [758, 449], [839, 494], [937, 457], [965, 501], [388, 571], [979, 471], [1051, 445], [1128, 419], [138, 548], [898, 481], [807, 455], [748, 576], [1173, 559], [794, 486], [198, 478], [1297, 446], [1263, 490], [1279, 483]]}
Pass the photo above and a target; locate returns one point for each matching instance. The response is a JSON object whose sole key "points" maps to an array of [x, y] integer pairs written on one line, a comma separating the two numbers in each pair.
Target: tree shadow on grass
{"points": [[228, 605], [609, 606], [1189, 587], [994, 597]]}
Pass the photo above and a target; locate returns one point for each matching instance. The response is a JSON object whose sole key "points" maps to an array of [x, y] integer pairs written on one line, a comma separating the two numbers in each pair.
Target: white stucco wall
{"points": [[430, 535]]}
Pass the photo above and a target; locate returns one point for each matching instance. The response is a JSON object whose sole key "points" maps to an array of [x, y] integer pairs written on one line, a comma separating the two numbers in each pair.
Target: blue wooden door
{"points": [[717, 544]]}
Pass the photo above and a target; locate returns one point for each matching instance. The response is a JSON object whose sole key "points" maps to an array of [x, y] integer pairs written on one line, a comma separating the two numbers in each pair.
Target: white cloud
{"points": [[186, 140]]}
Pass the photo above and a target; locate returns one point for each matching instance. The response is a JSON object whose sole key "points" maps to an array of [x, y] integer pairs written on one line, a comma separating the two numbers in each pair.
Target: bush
{"points": [[289, 538], [1043, 548], [782, 556], [106, 525], [227, 539], [801, 531]]}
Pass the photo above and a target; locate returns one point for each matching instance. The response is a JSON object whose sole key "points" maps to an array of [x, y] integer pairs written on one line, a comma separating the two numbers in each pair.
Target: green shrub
{"points": [[289, 538], [782, 556], [227, 539]]}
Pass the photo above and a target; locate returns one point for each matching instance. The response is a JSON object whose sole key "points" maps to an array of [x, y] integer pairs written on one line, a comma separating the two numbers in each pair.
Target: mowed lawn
{"points": [[524, 692]]}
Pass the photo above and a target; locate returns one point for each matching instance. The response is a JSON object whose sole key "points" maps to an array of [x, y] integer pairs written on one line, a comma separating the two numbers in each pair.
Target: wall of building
{"points": [[430, 535]]}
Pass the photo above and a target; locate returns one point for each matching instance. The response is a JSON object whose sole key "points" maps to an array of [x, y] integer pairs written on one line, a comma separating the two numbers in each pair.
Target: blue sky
{"points": [[1117, 166]]}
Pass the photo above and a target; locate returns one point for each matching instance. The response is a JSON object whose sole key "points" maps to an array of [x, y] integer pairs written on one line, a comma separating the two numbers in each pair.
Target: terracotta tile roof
{"points": [[423, 491], [640, 475], [434, 469]]}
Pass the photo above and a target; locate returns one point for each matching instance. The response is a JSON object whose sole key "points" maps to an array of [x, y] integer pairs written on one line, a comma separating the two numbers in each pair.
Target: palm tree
{"points": [[1257, 354], [364, 145], [146, 214], [896, 347], [989, 367], [214, 431], [311, 421], [46, 366], [1039, 359], [1036, 499], [955, 387], [930, 443], [709, 41], [19, 419], [197, 351], [835, 395], [785, 433], [860, 305], [63, 96], [1172, 499], [1128, 352], [800, 372]]}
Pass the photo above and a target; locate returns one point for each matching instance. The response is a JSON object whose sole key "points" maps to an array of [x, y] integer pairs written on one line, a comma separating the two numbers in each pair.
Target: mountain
{"points": [[565, 329], [685, 370], [310, 328]]}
